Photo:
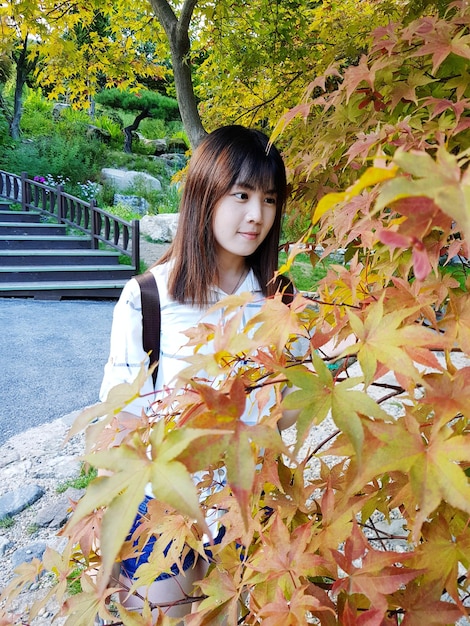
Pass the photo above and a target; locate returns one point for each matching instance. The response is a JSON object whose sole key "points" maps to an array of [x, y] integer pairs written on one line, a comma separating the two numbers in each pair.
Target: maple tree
{"points": [[242, 62], [245, 62], [73, 49], [361, 515]]}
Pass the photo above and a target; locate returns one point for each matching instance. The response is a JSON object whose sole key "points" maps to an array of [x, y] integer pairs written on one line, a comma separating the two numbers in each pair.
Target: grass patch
{"points": [[7, 522], [87, 474], [74, 585], [32, 529], [459, 271], [302, 273]]}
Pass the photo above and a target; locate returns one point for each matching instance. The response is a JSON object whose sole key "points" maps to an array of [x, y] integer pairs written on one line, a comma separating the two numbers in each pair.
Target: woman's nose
{"points": [[254, 212]]}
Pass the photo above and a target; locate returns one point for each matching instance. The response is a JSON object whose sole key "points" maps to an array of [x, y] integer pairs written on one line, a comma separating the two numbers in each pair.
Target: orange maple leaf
{"points": [[456, 323], [286, 556], [295, 610], [383, 339], [276, 322], [431, 465]]}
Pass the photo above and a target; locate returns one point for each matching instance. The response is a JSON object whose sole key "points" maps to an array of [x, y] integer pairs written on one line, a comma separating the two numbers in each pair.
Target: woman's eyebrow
{"points": [[239, 183], [251, 187]]}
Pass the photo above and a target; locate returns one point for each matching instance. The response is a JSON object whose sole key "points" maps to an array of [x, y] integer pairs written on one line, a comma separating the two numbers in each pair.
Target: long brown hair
{"points": [[225, 156]]}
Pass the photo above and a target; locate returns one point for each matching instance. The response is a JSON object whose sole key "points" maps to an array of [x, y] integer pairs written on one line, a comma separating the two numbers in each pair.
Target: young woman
{"points": [[226, 243]]}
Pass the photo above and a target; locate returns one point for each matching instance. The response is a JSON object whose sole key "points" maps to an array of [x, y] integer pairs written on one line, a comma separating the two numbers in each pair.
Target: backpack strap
{"points": [[151, 318], [151, 314], [286, 286]]}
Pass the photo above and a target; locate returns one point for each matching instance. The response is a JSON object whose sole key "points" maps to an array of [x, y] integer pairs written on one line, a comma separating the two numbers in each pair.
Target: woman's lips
{"points": [[249, 235]]}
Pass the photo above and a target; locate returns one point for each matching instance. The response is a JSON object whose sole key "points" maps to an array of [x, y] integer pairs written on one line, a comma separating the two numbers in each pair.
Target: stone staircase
{"points": [[42, 260]]}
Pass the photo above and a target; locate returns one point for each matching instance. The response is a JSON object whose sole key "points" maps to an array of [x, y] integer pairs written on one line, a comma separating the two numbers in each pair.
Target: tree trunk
{"points": [[177, 32], [128, 130], [22, 69]]}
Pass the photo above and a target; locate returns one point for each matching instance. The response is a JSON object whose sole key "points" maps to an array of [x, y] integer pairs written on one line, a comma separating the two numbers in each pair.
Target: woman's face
{"points": [[242, 219]]}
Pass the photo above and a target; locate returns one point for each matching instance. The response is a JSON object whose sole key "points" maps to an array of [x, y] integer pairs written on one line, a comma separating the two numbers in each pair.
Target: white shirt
{"points": [[127, 352]]}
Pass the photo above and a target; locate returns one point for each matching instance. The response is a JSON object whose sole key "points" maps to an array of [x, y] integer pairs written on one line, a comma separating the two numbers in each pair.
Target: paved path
{"points": [[52, 356]]}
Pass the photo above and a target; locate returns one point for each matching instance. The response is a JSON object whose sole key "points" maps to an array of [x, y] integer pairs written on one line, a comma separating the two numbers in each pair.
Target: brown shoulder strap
{"points": [[151, 318], [287, 288]]}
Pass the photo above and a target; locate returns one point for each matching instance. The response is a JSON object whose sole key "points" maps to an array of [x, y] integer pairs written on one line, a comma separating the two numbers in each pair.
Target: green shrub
{"points": [[161, 107], [5, 139], [180, 133], [72, 124], [35, 101], [37, 120], [153, 128], [123, 211], [105, 195], [138, 162], [168, 200], [78, 160], [113, 127]]}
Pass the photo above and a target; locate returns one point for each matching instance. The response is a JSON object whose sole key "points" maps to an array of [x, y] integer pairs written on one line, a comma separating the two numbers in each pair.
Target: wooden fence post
{"points": [[25, 195], [136, 244], [60, 204], [95, 225]]}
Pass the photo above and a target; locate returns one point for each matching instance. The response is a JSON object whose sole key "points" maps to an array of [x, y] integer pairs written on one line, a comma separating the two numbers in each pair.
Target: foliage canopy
{"points": [[368, 525]]}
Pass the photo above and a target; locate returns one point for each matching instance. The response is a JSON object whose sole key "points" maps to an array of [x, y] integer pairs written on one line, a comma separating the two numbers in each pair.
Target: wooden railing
{"points": [[85, 217]]}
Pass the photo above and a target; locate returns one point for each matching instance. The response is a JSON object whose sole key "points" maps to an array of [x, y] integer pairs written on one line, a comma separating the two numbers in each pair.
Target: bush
{"points": [[160, 107], [5, 139], [153, 128], [37, 120], [361, 515], [78, 160], [113, 127]]}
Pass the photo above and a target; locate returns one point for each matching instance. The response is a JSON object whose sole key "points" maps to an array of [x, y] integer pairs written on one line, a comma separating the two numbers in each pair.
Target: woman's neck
{"points": [[231, 275]]}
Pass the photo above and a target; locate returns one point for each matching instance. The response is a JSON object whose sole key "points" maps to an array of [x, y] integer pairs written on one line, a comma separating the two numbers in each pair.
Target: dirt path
{"points": [[150, 251]]}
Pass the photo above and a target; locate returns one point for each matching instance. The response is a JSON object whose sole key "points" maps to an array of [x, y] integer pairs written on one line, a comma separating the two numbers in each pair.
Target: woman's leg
{"points": [[166, 592]]}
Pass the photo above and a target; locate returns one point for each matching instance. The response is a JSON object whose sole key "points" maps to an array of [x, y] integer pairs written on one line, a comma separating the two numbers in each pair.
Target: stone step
{"points": [[19, 216], [57, 290], [5, 204], [43, 260], [43, 242], [41, 228], [58, 257], [47, 273]]}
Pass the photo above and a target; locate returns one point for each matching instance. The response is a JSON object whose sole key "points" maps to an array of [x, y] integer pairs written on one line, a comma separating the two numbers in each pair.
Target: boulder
{"points": [[136, 203], [58, 108], [94, 132], [124, 180], [158, 146], [160, 227], [176, 144]]}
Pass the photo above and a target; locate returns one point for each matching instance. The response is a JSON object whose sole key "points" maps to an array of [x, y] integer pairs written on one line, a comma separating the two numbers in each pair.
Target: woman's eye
{"points": [[270, 200], [241, 195]]}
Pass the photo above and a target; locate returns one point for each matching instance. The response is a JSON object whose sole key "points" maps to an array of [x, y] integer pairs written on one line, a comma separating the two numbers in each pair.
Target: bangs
{"points": [[259, 170]]}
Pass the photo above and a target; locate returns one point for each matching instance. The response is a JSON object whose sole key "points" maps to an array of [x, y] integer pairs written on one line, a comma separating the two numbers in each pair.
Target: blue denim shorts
{"points": [[129, 566]]}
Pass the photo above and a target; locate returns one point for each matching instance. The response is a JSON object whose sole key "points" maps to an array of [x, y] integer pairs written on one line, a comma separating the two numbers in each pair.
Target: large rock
{"points": [[58, 108], [16, 501], [160, 227], [94, 132], [158, 146], [136, 203], [124, 180], [177, 144]]}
